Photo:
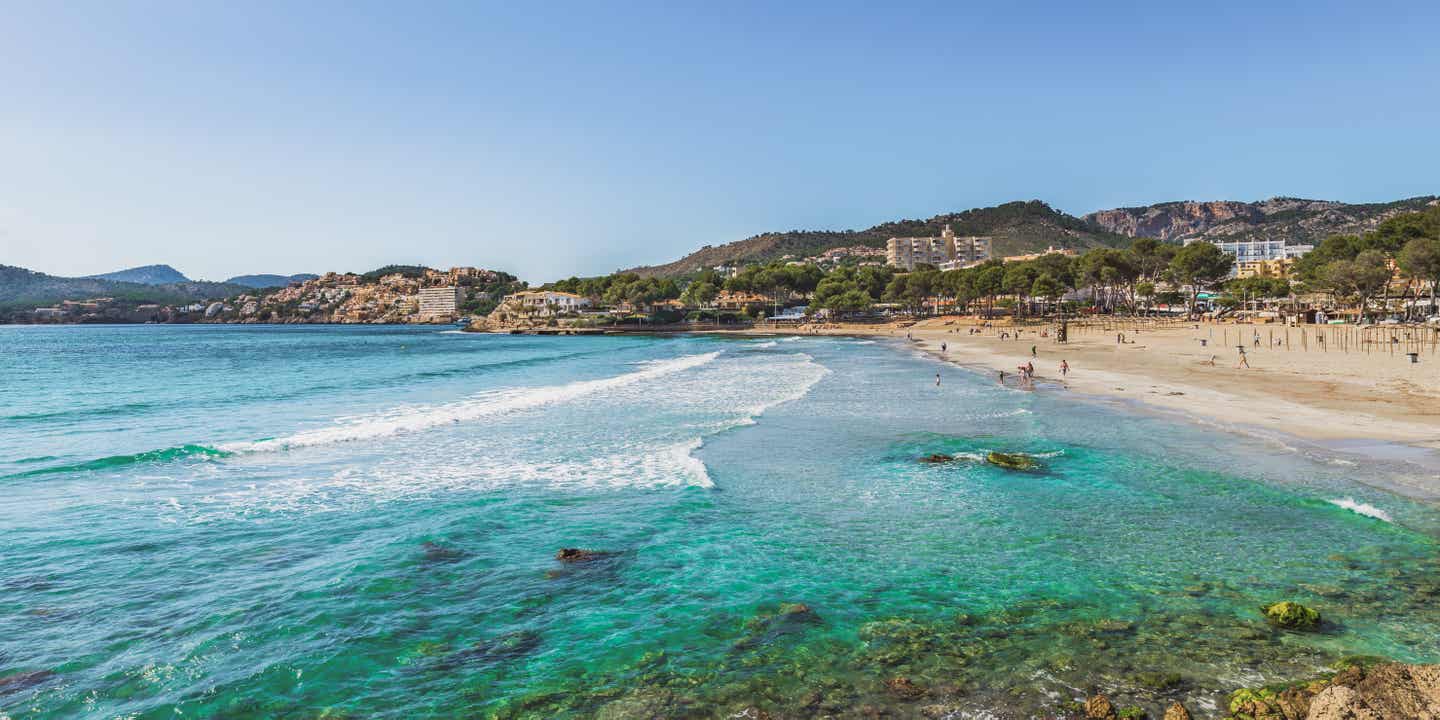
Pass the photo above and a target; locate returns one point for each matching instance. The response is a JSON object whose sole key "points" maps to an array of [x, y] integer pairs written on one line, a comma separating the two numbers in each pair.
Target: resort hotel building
{"points": [[440, 303], [1266, 258], [947, 252]]}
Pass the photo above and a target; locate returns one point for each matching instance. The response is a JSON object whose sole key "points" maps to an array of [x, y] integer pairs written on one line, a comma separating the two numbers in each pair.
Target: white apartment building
{"points": [[947, 252], [440, 303], [1248, 253]]}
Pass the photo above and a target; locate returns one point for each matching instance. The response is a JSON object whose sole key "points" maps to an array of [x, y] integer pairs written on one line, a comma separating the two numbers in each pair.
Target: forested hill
{"points": [[21, 288], [1017, 228], [144, 275]]}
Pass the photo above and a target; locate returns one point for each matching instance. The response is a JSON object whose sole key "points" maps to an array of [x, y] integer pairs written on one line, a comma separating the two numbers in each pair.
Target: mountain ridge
{"points": [[1020, 227], [1294, 220]]}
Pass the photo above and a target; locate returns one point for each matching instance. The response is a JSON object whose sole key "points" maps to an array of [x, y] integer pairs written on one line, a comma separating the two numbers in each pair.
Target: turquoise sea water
{"points": [[312, 522]]}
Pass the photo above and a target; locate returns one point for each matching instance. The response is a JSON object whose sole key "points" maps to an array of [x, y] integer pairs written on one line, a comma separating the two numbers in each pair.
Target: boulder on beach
{"points": [[1012, 461], [1291, 615]]}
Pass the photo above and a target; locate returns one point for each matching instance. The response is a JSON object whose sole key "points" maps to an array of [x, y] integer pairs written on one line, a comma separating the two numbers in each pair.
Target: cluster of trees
{"points": [[483, 294], [1115, 277], [1358, 268], [622, 287]]}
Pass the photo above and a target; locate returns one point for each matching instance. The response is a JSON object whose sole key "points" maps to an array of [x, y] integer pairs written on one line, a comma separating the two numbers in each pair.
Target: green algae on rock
{"points": [[1012, 461], [1291, 615]]}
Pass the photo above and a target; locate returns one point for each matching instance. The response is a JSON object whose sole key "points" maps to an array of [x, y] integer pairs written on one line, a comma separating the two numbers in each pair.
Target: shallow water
{"points": [[284, 522]]}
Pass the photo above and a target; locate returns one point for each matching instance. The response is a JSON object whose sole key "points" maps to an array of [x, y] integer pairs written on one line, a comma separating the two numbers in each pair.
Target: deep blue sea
{"points": [[305, 522]]}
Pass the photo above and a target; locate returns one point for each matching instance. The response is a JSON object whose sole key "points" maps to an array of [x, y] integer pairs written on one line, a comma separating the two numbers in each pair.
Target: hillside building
{"points": [[440, 303], [948, 251], [1253, 257]]}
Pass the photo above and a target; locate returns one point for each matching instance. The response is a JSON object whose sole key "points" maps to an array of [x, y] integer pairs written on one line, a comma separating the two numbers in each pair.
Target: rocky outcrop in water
{"points": [[1012, 461], [1291, 616], [577, 555]]}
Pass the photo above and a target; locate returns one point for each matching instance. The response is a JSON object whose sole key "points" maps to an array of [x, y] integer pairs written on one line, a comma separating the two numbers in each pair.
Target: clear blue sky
{"points": [[552, 139]]}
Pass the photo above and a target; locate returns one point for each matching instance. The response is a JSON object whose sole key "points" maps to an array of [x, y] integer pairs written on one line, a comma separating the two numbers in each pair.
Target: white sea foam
{"points": [[417, 418], [452, 332], [618, 435], [769, 344], [1360, 508]]}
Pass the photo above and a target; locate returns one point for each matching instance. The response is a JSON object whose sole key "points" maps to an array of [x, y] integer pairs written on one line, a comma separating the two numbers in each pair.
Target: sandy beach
{"points": [[1331, 395]]}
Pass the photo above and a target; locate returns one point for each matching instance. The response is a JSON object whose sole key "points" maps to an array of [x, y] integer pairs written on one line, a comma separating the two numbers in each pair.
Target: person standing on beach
{"points": [[944, 347], [1064, 368], [1032, 351]]}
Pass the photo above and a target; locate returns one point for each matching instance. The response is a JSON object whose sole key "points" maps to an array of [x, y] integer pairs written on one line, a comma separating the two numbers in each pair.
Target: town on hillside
{"points": [[1386, 274]]}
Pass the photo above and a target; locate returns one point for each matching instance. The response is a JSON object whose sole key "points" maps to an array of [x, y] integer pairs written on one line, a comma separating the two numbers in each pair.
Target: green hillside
{"points": [[1017, 228]]}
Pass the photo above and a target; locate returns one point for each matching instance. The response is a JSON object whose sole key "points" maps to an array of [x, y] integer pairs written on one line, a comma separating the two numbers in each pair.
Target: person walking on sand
{"points": [[1064, 368], [1032, 351], [1244, 360]]}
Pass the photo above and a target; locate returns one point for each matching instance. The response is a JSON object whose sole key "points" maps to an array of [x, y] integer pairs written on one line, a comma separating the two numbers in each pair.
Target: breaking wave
{"points": [[1360, 508], [181, 452], [413, 419]]}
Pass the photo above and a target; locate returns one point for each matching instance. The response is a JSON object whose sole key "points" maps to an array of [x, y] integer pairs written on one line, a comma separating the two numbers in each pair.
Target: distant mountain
{"points": [[1016, 227], [23, 289], [1294, 220], [269, 281], [144, 275]]}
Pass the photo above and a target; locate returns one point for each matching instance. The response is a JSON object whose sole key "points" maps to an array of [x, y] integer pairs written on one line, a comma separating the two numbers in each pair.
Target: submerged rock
{"points": [[767, 626], [578, 555], [435, 552], [902, 687], [23, 680], [937, 458], [1012, 461], [1291, 615], [508, 646]]}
